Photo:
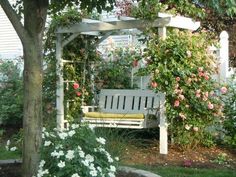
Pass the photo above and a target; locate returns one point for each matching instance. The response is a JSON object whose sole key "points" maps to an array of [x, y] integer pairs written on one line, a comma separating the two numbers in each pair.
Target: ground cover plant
{"points": [[75, 151]]}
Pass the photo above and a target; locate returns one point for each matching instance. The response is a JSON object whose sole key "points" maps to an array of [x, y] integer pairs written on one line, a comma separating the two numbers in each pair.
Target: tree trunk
{"points": [[32, 122], [34, 21]]}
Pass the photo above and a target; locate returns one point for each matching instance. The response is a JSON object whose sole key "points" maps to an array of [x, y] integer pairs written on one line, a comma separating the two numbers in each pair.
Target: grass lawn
{"points": [[188, 172], [4, 154]]}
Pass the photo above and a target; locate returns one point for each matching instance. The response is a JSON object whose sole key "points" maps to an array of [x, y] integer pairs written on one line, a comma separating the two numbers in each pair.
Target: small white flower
{"points": [[85, 162], [81, 154], [75, 175], [101, 140], [70, 154], [54, 153], [117, 158], [102, 149], [42, 163], [61, 164], [43, 129], [57, 154], [111, 174], [93, 173], [99, 169], [74, 126], [13, 148], [8, 142], [60, 153], [71, 133], [47, 143], [109, 157], [112, 168], [89, 158], [91, 167], [79, 148], [62, 135]]}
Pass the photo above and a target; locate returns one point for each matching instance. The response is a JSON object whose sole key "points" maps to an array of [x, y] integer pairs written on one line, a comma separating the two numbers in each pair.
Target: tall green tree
{"points": [[31, 32]]}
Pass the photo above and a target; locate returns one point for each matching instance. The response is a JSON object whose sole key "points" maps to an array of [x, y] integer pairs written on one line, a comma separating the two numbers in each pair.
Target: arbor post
{"points": [[163, 138], [60, 83], [224, 56]]}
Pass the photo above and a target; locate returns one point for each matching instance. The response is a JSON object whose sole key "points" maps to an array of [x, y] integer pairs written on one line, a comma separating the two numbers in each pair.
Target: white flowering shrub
{"points": [[75, 152]]}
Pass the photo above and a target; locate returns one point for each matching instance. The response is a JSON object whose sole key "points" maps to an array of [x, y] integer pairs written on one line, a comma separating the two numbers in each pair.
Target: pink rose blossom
{"points": [[154, 84], [206, 77], [181, 97], [210, 105], [177, 79], [75, 85], [223, 90], [198, 95], [176, 104], [200, 69], [200, 74], [78, 93]]}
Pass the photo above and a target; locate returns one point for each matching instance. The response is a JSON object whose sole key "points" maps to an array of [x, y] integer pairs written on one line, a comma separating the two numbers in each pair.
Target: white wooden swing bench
{"points": [[122, 108]]}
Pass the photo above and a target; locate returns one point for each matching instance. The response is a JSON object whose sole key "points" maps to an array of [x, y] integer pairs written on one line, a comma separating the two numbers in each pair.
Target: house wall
{"points": [[10, 44]]}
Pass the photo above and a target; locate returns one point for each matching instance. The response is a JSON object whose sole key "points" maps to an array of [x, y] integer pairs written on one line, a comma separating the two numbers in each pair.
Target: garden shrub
{"points": [[230, 114], [11, 92], [75, 152], [181, 67]]}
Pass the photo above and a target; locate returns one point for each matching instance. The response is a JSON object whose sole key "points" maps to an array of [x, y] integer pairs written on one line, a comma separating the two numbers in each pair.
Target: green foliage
{"points": [[226, 6], [181, 67], [148, 9], [76, 150], [58, 5], [115, 71], [11, 93], [230, 115]]}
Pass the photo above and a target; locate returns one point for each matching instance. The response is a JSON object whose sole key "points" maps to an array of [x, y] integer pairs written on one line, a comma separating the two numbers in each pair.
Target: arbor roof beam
{"points": [[113, 25]]}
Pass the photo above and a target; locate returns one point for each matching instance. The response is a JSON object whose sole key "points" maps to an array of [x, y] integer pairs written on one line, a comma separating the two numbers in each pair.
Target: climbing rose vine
{"points": [[182, 67]]}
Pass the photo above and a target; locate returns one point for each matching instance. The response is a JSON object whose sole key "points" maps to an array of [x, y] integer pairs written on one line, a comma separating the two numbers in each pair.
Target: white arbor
{"points": [[104, 29]]}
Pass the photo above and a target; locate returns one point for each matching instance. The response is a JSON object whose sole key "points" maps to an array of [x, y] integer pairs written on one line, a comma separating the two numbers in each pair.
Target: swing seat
{"points": [[123, 108]]}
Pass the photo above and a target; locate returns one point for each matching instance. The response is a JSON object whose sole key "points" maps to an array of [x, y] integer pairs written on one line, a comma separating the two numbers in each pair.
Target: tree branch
{"points": [[15, 20]]}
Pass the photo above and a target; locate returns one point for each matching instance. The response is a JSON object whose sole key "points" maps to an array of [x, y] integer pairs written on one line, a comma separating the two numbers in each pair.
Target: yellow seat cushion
{"points": [[112, 115]]}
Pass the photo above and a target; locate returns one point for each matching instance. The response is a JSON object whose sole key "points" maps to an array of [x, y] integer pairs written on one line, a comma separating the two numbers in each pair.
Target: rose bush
{"points": [[182, 68], [75, 152]]}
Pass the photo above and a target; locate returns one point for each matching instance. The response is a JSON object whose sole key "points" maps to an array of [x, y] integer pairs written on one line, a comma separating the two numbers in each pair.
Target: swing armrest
{"points": [[152, 112], [89, 108]]}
